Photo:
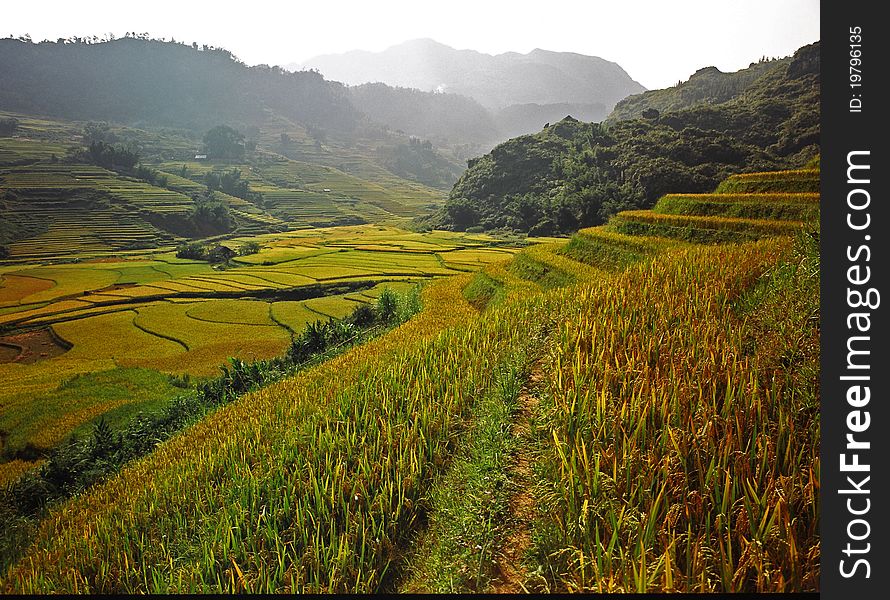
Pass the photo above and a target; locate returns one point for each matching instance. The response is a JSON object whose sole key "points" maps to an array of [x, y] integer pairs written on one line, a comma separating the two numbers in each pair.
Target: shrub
{"points": [[387, 306], [248, 248], [362, 315], [192, 250], [8, 126]]}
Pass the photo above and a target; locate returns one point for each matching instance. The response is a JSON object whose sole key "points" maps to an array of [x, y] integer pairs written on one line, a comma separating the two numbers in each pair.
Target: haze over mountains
{"points": [[539, 77], [521, 91]]}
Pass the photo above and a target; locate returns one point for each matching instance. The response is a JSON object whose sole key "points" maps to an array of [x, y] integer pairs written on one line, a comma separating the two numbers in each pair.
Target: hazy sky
{"points": [[658, 42]]}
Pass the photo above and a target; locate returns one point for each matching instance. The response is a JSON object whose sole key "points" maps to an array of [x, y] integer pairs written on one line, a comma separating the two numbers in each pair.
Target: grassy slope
{"points": [[648, 474]]}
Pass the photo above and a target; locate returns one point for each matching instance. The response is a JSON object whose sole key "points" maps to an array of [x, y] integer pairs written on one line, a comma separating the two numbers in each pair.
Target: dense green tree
{"points": [[98, 132], [114, 157], [210, 214], [230, 182], [8, 126], [224, 142]]}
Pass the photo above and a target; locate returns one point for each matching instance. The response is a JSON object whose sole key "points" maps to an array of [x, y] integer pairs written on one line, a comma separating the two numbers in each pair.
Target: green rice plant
{"points": [[786, 207], [800, 181], [700, 229], [483, 290], [469, 506], [608, 250]]}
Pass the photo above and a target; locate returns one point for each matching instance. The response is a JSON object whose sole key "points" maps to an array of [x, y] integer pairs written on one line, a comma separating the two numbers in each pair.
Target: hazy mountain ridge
{"points": [[573, 174], [147, 82], [522, 92], [495, 81]]}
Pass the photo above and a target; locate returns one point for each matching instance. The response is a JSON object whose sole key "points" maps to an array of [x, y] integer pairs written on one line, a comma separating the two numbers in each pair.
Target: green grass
{"points": [[545, 275], [483, 290], [800, 181], [41, 422], [786, 207], [468, 507]]}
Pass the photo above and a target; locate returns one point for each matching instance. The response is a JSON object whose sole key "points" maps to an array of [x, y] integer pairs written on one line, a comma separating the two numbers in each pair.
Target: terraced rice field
{"points": [[175, 316], [54, 208], [655, 438]]}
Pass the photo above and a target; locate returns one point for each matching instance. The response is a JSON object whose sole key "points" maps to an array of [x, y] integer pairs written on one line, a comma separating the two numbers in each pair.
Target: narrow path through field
{"points": [[511, 575]]}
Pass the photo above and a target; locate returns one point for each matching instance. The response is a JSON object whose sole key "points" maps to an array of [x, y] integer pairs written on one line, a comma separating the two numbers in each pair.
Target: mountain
{"points": [[442, 117], [521, 91], [708, 85], [139, 80], [573, 174], [154, 83]]}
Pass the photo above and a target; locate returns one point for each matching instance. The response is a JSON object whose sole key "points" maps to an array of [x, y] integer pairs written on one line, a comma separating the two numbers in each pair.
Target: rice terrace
{"points": [[299, 337]]}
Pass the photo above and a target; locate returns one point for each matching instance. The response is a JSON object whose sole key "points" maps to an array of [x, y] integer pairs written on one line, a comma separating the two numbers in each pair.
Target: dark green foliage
{"points": [[573, 174], [149, 175], [191, 250], [99, 132], [224, 142], [419, 160], [387, 306], [217, 253], [113, 157], [362, 316], [230, 182], [8, 126], [4, 252], [212, 253], [248, 248], [210, 215]]}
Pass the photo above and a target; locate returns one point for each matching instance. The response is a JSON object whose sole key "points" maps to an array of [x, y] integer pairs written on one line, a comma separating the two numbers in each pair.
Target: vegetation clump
{"points": [[8, 126]]}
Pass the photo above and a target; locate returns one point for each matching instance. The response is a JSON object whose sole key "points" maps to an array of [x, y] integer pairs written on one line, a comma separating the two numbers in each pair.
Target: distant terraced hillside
{"points": [[52, 206]]}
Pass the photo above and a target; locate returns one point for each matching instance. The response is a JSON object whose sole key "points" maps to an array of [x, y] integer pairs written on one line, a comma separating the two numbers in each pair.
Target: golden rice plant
{"points": [[674, 459]]}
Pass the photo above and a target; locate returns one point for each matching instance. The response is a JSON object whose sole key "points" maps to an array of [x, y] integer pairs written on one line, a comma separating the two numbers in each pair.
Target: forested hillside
{"points": [[575, 174], [167, 83]]}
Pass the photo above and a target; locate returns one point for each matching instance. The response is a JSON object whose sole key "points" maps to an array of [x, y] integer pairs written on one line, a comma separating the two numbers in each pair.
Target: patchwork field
{"points": [[171, 316]]}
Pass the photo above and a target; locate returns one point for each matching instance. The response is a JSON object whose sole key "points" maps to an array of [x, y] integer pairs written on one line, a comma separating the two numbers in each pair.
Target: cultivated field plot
{"points": [[153, 312]]}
